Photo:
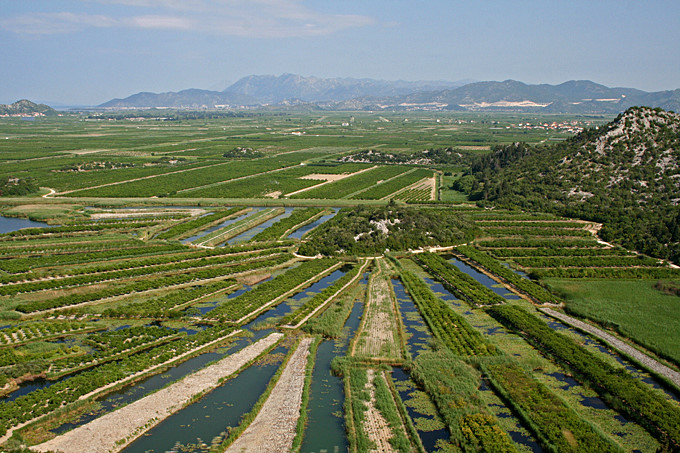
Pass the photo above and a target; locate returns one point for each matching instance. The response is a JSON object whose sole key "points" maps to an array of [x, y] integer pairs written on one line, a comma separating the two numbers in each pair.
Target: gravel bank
{"points": [[273, 429], [113, 431]]}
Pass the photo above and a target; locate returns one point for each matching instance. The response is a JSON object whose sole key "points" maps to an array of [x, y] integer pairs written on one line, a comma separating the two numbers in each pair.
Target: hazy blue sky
{"points": [[89, 51]]}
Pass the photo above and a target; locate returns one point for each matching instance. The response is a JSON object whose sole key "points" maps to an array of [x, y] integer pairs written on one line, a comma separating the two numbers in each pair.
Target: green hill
{"points": [[625, 175]]}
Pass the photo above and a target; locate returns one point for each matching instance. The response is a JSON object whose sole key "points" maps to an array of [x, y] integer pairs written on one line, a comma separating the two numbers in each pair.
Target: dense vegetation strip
{"points": [[454, 387], [614, 385], [457, 281], [535, 242], [534, 231], [557, 251], [446, 325], [524, 285], [48, 258], [180, 230], [122, 271], [608, 272], [182, 277], [294, 317], [588, 261], [74, 229], [278, 229], [556, 426], [272, 290]]}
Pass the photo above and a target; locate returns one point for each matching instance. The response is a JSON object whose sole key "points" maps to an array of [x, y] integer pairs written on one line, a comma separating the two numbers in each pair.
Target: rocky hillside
{"points": [[625, 175], [25, 107]]}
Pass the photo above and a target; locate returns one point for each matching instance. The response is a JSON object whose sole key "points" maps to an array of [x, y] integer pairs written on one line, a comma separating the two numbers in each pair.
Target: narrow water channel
{"points": [[297, 234]]}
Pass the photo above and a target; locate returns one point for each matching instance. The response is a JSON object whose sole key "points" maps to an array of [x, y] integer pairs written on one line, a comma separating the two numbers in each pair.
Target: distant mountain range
{"points": [[25, 107], [581, 96]]}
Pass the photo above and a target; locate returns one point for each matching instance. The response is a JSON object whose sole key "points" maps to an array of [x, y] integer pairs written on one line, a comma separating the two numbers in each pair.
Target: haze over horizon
{"points": [[89, 51]]}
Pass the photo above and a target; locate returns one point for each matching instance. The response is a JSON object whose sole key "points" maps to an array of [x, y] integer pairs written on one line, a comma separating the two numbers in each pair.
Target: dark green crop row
{"points": [[458, 281], [556, 426], [536, 232], [125, 270], [278, 229], [165, 307], [525, 285], [446, 325], [296, 316], [18, 265], [483, 223], [34, 247], [509, 215], [614, 385], [41, 330], [234, 309], [43, 401], [187, 276], [539, 242], [526, 252], [176, 231], [589, 261]]}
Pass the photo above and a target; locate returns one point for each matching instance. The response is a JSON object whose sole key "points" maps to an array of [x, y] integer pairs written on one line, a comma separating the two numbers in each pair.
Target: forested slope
{"points": [[625, 175]]}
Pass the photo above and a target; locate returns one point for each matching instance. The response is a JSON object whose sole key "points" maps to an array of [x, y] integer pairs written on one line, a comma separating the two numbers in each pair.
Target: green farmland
{"points": [[332, 273]]}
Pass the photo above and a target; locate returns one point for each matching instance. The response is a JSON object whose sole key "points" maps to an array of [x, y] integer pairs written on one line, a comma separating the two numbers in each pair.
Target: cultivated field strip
{"points": [[178, 279], [170, 184], [271, 292], [193, 225], [457, 281], [347, 186], [113, 431], [104, 378], [385, 188], [124, 270], [379, 335]]}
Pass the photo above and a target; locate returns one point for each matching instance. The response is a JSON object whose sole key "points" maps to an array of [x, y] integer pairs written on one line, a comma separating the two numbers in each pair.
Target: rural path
{"points": [[113, 431], [274, 427], [617, 344]]}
